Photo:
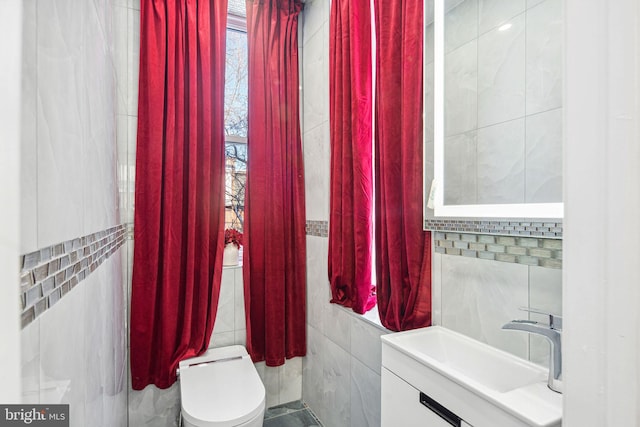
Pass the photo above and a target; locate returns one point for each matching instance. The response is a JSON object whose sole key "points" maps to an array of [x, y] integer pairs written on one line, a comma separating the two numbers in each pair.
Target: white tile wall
{"points": [[493, 13], [543, 157], [154, 407], [476, 297], [501, 163], [544, 63], [72, 163], [461, 95], [28, 146], [10, 106], [365, 389], [494, 74], [501, 76], [460, 162], [341, 371]]}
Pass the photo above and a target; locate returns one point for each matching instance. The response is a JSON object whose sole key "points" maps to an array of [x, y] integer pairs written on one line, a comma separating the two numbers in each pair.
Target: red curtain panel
{"points": [[403, 252], [179, 196], [351, 198], [274, 251]]}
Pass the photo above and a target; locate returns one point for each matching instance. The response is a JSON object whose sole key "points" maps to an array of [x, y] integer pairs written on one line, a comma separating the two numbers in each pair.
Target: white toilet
{"points": [[221, 388]]}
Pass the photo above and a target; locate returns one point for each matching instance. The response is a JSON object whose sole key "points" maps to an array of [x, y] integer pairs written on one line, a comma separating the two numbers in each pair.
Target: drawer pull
{"points": [[440, 410]]}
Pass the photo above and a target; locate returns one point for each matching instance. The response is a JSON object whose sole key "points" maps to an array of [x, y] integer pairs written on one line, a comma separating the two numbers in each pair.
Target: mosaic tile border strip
{"points": [[317, 228], [548, 228], [519, 250], [50, 273]]}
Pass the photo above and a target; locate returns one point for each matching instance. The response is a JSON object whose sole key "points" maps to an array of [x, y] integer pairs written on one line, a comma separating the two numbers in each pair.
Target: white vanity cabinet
{"points": [[404, 405]]}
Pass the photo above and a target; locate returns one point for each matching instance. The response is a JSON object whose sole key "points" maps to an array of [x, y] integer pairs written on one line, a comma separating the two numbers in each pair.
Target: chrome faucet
{"points": [[553, 333]]}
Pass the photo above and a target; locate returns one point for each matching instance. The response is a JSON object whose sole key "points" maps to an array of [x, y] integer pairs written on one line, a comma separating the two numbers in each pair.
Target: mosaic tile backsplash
{"points": [[50, 273], [520, 250], [317, 228], [551, 229]]}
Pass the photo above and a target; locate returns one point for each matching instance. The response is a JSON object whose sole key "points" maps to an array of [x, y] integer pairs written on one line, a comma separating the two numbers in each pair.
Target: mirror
{"points": [[493, 108]]}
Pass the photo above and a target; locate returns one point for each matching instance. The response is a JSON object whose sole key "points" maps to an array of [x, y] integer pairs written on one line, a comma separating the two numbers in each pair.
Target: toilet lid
{"points": [[224, 392]]}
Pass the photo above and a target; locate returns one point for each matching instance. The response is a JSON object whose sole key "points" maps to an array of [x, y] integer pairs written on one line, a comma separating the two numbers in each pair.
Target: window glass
{"points": [[235, 124]]}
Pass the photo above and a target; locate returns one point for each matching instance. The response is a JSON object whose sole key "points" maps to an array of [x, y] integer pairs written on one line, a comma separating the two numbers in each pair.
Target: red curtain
{"points": [[274, 251], [403, 250], [179, 195], [351, 203]]}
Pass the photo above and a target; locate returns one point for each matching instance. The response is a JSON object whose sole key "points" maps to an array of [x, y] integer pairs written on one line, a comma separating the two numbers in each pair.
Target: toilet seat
{"points": [[221, 388]]}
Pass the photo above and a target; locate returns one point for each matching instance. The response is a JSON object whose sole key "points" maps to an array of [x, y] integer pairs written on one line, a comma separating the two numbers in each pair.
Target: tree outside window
{"points": [[235, 124]]}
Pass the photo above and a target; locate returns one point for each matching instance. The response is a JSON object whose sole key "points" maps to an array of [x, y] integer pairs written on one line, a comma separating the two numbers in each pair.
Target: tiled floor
{"points": [[294, 414]]}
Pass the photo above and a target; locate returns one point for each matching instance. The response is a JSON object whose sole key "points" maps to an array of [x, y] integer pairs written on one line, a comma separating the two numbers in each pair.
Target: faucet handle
{"points": [[555, 321]]}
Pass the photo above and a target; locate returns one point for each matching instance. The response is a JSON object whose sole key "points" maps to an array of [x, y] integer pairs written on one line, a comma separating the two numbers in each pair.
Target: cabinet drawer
{"points": [[404, 405]]}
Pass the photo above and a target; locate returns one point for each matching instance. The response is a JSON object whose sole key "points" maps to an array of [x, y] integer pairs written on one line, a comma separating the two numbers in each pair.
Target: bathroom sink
{"points": [[478, 382]]}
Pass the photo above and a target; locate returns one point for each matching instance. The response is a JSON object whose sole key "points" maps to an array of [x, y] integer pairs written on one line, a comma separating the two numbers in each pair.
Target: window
{"points": [[235, 118]]}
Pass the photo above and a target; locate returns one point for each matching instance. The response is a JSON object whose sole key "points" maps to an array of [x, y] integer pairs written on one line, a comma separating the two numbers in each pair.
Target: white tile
{"points": [[133, 37], [318, 291], [480, 296], [365, 395], [493, 13], [544, 61], [460, 24], [317, 160], [325, 68], [545, 288], [271, 380], [315, 84], [132, 125], [225, 317], [545, 294], [312, 372], [30, 358], [291, 380], [122, 169], [314, 15], [460, 169], [461, 89], [99, 124], [10, 45], [366, 344], [121, 23], [436, 287], [429, 107], [154, 407], [63, 373], [532, 3], [336, 386], [96, 347], [59, 124], [240, 337], [118, 285], [429, 40], [543, 162], [222, 339], [501, 154], [337, 326], [239, 312], [28, 143], [115, 413], [501, 74]]}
